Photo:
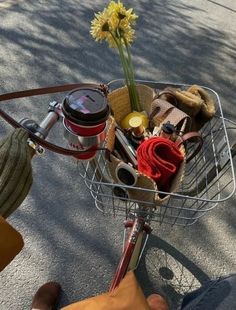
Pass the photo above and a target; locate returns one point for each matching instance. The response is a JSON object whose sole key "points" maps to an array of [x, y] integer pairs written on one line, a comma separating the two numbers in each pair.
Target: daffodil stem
{"points": [[125, 57], [124, 65], [135, 93], [129, 77], [122, 57]]}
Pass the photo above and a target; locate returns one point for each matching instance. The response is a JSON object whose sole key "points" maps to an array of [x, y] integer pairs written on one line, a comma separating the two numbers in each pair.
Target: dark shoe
{"points": [[46, 296]]}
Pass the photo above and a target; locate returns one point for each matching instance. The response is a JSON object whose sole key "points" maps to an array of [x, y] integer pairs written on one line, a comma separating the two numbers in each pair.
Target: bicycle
{"points": [[194, 199]]}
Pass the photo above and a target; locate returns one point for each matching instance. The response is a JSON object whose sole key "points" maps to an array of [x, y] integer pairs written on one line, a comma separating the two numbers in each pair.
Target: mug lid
{"points": [[86, 106]]}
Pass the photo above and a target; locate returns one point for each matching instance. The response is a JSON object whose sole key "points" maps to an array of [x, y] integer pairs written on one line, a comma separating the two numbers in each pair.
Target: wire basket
{"points": [[208, 178]]}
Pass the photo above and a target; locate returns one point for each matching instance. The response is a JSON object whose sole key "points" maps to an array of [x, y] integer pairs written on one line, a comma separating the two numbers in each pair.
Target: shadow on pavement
{"points": [[66, 238], [170, 45]]}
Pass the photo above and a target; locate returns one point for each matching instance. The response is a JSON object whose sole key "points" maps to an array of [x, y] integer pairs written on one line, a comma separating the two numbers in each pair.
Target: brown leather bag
{"points": [[11, 243]]}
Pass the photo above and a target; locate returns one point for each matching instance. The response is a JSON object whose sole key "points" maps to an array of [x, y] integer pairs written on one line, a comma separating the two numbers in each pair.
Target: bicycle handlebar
{"points": [[51, 117]]}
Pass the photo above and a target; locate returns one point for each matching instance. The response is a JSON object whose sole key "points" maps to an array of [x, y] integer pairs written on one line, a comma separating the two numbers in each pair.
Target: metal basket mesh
{"points": [[208, 180]]}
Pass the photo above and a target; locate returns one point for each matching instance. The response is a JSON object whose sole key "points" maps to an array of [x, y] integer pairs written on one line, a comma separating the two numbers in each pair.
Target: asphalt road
{"points": [[66, 238]]}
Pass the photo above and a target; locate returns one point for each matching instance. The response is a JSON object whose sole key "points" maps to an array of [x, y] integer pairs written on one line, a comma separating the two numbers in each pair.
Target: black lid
{"points": [[168, 128], [86, 106]]}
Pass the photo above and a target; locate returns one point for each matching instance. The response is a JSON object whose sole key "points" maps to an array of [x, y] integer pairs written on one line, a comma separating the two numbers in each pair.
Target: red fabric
{"points": [[159, 158]]}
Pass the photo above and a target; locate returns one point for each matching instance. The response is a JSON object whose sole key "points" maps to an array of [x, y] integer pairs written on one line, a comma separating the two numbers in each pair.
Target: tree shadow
{"points": [[169, 46], [223, 6], [48, 45]]}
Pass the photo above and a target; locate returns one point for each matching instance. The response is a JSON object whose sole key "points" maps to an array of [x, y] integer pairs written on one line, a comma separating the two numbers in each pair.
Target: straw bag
{"points": [[147, 191]]}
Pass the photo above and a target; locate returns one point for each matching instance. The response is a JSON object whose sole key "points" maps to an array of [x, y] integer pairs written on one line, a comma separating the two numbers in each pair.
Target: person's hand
{"points": [[157, 302]]}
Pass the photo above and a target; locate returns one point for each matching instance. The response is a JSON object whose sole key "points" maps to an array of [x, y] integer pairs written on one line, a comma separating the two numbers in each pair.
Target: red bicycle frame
{"points": [[137, 226]]}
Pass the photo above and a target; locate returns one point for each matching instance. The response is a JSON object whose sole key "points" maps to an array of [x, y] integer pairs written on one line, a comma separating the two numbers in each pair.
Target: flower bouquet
{"points": [[146, 150], [115, 25]]}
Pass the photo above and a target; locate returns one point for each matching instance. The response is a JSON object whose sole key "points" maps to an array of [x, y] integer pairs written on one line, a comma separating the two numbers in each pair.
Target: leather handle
{"points": [[157, 97], [194, 135], [167, 92], [51, 90]]}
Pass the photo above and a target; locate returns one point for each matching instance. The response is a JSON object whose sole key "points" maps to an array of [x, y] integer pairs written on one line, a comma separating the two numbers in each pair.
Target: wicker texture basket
{"points": [[120, 104]]}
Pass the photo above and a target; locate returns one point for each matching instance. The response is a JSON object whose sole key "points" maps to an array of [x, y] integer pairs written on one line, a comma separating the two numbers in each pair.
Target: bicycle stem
{"points": [[44, 127]]}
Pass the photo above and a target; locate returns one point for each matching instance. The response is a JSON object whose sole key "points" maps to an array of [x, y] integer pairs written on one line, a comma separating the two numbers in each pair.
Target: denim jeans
{"points": [[218, 294]]}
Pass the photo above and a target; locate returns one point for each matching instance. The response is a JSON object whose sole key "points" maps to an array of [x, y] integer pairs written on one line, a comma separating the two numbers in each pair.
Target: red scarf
{"points": [[160, 159]]}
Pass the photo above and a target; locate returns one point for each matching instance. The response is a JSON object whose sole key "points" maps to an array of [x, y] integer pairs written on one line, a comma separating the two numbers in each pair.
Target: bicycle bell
{"points": [[85, 113]]}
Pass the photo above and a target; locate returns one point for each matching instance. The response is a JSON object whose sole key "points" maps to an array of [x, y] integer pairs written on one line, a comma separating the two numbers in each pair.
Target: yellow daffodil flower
{"points": [[114, 22], [114, 25]]}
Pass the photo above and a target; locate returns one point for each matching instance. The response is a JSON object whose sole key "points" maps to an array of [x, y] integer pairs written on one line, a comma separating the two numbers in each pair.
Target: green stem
{"points": [[124, 65], [129, 83], [122, 58], [136, 96], [126, 62], [128, 77]]}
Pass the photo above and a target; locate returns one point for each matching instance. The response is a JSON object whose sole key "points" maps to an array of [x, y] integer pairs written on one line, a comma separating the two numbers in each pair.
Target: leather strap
{"points": [[164, 111], [169, 92], [193, 137], [49, 90]]}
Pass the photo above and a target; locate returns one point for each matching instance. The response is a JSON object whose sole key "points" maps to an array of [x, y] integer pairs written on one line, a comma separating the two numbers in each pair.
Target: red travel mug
{"points": [[85, 114]]}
